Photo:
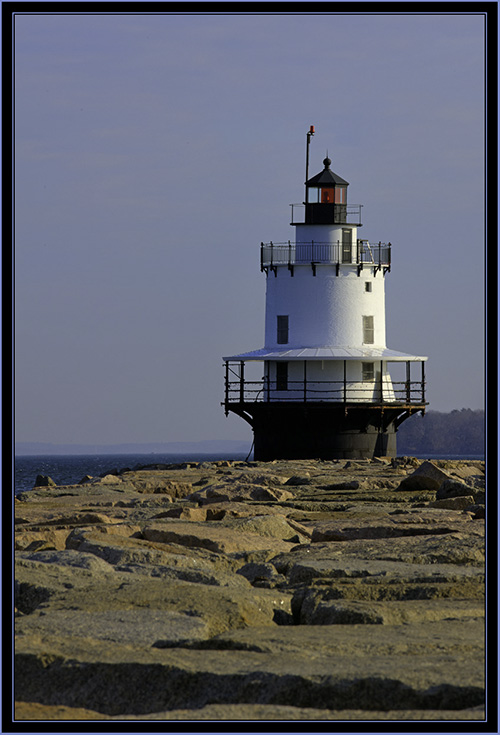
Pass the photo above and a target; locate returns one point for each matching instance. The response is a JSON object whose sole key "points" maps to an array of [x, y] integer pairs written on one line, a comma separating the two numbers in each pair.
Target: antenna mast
{"points": [[309, 136]]}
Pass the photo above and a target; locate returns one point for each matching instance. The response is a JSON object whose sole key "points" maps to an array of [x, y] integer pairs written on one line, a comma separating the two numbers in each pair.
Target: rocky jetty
{"points": [[287, 590]]}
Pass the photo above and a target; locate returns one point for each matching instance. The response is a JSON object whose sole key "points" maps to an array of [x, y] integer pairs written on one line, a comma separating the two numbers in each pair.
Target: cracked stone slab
{"points": [[316, 611], [221, 608], [125, 680], [306, 571], [137, 626], [218, 538], [462, 549], [244, 712]]}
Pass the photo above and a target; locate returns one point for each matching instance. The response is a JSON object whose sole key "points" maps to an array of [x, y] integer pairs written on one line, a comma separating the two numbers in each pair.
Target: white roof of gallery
{"points": [[327, 353]]}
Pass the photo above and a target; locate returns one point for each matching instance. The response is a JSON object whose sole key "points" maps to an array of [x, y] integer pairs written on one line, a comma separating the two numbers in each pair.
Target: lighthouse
{"points": [[323, 386]]}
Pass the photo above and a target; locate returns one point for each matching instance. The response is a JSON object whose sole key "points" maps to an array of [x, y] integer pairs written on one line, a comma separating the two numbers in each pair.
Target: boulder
{"points": [[275, 526], [346, 485], [228, 509], [186, 513], [299, 480], [159, 482], [50, 538], [239, 492], [263, 575], [405, 462], [122, 550], [36, 582], [452, 489], [260, 479], [212, 536], [461, 502], [44, 481], [426, 477], [478, 510], [472, 471], [109, 479]]}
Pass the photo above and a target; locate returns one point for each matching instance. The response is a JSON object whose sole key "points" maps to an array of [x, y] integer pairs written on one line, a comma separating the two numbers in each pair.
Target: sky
{"points": [[154, 153]]}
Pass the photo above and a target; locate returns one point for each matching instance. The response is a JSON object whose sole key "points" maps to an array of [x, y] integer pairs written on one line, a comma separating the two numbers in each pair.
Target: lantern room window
{"points": [[313, 195], [340, 195], [326, 195]]}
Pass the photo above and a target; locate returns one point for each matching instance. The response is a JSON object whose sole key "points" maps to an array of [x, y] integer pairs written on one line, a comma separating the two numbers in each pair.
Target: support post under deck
{"points": [[242, 381]]}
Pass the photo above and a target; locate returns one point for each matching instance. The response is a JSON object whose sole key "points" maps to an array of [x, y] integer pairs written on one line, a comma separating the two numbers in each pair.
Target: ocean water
{"points": [[70, 469]]}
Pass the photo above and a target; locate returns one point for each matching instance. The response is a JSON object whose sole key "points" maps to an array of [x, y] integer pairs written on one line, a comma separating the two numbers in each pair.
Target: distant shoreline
{"points": [[33, 449], [230, 453], [460, 433]]}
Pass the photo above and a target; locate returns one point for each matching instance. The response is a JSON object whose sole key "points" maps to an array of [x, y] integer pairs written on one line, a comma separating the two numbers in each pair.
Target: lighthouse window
{"points": [[281, 376], [282, 338], [368, 370], [368, 286], [340, 195], [368, 331], [346, 246], [313, 194], [326, 196]]}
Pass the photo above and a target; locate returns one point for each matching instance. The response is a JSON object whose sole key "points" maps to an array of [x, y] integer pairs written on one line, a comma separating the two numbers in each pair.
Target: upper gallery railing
{"points": [[330, 253]]}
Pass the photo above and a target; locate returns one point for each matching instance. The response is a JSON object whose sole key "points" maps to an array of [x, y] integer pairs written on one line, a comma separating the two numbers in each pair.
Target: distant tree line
{"points": [[459, 432]]}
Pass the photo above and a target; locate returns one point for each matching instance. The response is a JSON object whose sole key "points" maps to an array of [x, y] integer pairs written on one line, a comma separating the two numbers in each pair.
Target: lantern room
{"points": [[326, 198]]}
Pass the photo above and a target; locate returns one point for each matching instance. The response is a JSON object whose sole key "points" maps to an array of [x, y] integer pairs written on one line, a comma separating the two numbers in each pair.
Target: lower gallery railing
{"points": [[269, 391], [381, 390]]}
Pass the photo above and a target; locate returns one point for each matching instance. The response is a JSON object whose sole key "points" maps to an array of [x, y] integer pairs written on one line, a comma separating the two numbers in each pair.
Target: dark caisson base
{"points": [[323, 431]]}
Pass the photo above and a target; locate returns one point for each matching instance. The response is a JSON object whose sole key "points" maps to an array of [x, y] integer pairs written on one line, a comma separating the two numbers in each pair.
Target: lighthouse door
{"points": [[346, 246]]}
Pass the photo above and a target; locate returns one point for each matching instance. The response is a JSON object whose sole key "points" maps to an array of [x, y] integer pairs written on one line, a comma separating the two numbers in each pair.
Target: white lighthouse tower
{"points": [[326, 391]]}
